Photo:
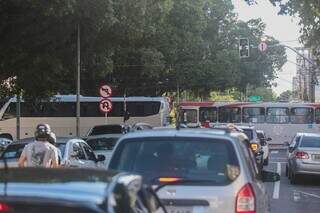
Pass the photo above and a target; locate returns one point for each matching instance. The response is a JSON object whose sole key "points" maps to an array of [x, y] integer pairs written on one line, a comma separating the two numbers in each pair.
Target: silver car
{"points": [[103, 145], [197, 170], [72, 153], [303, 156]]}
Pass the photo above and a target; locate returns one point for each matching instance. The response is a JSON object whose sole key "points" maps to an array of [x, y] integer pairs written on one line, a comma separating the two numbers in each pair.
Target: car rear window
{"points": [[310, 141], [190, 158], [13, 151], [110, 129], [249, 133], [102, 143]]}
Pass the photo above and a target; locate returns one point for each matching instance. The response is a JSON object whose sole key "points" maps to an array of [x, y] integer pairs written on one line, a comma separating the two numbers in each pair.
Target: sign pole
{"points": [[106, 116]]}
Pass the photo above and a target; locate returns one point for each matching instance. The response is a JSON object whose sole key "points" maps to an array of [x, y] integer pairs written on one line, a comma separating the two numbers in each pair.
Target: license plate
{"points": [[316, 157], [173, 209]]}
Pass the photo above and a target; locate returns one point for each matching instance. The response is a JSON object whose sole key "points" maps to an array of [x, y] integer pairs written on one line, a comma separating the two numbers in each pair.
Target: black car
{"points": [[74, 190]]}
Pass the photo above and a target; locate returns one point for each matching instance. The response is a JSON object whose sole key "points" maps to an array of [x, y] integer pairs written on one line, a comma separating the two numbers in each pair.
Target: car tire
{"points": [[266, 161]]}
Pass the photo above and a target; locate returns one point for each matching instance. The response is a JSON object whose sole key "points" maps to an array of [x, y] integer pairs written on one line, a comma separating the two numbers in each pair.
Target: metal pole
{"points": [[18, 111], [78, 83]]}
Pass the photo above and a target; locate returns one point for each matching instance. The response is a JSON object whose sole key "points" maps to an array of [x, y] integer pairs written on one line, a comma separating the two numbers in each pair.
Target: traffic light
{"points": [[244, 48]]}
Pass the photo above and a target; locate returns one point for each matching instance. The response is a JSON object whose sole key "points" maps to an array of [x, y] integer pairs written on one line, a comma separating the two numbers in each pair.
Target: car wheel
{"points": [[266, 161]]}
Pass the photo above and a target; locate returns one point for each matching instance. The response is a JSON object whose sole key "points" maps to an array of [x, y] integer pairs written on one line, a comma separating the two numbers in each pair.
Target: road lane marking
{"points": [[296, 196], [276, 162], [274, 152], [309, 194], [276, 189]]}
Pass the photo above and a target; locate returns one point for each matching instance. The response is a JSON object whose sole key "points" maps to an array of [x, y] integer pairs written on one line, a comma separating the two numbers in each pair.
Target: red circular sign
{"points": [[105, 91], [105, 105], [263, 46]]}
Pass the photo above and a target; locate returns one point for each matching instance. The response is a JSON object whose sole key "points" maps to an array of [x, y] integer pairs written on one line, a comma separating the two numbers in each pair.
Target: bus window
{"points": [[10, 111], [208, 114], [301, 115], [189, 116], [253, 115], [318, 115], [48, 109], [229, 115], [277, 115]]}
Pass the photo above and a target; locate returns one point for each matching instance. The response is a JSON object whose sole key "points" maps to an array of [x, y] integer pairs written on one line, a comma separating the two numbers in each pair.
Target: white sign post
{"points": [[263, 46], [105, 104], [105, 107], [105, 91]]}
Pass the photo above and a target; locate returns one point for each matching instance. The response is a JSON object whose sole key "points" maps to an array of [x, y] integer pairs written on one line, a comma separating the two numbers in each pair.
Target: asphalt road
{"points": [[303, 197]]}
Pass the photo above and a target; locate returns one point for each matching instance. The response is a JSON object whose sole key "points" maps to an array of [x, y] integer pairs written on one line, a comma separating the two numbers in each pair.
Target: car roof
{"points": [[308, 134], [104, 136], [184, 132], [79, 185]]}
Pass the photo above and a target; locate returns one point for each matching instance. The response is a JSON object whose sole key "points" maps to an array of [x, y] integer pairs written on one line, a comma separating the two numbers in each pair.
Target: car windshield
{"points": [[310, 141], [190, 158], [102, 143], [249, 133], [110, 129]]}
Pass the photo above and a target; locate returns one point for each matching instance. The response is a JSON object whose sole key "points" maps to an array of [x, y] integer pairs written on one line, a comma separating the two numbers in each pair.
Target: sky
{"points": [[283, 28]]}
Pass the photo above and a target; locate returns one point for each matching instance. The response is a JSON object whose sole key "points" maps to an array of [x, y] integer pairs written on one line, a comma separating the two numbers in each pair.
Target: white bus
{"points": [[60, 114], [280, 121]]}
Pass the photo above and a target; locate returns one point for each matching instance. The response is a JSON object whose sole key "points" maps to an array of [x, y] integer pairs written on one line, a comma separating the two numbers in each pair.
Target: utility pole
{"points": [[18, 111], [78, 82]]}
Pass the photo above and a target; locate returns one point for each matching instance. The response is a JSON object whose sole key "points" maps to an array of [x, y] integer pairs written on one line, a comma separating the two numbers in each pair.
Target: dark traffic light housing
{"points": [[244, 48]]}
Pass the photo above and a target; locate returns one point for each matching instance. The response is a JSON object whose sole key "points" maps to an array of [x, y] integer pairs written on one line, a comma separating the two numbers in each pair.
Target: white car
{"points": [[103, 145], [73, 153], [265, 146]]}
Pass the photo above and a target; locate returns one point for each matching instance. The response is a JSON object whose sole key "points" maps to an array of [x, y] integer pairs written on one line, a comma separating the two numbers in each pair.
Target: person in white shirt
{"points": [[40, 153]]}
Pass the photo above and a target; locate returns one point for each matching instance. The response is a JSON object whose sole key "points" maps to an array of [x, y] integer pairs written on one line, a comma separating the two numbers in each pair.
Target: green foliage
{"points": [[285, 96], [141, 47], [266, 94]]}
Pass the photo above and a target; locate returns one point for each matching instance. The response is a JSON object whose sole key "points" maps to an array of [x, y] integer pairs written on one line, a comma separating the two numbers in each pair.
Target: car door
{"points": [[77, 157], [91, 159]]}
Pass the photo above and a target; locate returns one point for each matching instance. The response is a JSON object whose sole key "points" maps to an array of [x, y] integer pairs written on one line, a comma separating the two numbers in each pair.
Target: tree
{"points": [[285, 96], [266, 94]]}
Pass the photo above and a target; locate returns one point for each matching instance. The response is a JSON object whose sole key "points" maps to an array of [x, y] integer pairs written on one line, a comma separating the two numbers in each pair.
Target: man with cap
{"points": [[40, 153]]}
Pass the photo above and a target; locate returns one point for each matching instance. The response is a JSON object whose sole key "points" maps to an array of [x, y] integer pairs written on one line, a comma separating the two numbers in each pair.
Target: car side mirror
{"points": [[291, 149], [150, 199], [101, 158], [268, 176], [286, 143]]}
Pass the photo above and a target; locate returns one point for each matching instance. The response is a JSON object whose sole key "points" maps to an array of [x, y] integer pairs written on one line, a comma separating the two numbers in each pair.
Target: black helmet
{"points": [[42, 131]]}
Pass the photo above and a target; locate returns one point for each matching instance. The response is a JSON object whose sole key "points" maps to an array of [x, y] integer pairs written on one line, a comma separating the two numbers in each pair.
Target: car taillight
{"points": [[254, 147], [246, 200], [302, 155], [4, 208]]}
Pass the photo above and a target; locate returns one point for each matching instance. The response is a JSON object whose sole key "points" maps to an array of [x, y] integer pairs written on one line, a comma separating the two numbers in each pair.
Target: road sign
{"points": [[263, 46], [105, 91], [255, 98], [105, 105]]}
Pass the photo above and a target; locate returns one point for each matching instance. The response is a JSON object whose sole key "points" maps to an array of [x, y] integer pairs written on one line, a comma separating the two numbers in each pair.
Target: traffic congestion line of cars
{"points": [[190, 170]]}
